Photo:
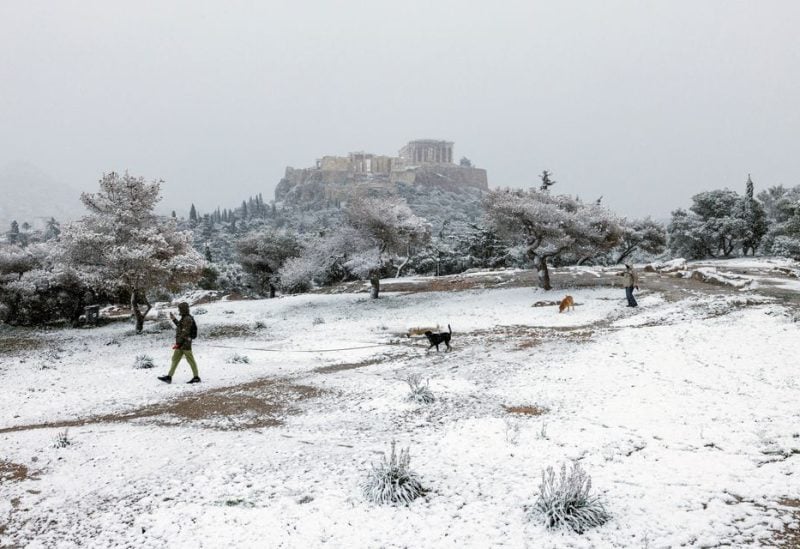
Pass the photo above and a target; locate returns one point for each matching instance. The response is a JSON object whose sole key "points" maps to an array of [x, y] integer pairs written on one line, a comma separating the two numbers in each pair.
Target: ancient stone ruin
{"points": [[420, 162]]}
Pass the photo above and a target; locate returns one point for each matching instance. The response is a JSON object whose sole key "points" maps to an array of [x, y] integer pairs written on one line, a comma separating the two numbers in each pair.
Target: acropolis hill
{"points": [[421, 162]]}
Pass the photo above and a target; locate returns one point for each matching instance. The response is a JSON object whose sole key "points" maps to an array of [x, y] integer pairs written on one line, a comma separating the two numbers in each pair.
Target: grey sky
{"points": [[643, 102]]}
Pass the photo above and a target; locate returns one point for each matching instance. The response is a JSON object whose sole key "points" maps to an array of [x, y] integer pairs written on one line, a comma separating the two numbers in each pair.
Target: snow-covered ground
{"points": [[684, 412]]}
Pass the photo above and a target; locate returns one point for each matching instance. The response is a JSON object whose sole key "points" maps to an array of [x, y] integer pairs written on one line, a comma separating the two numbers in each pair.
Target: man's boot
{"points": [[195, 379], [165, 379]]}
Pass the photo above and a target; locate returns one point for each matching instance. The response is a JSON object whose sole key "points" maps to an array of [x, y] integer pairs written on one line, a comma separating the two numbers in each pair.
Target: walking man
{"points": [[630, 281], [185, 331]]}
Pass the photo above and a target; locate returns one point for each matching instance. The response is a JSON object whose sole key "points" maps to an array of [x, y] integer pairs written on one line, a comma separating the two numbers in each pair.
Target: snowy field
{"points": [[683, 411]]}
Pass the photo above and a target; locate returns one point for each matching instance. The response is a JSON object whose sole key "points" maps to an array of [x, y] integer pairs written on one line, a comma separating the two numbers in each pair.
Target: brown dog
{"points": [[566, 303]]}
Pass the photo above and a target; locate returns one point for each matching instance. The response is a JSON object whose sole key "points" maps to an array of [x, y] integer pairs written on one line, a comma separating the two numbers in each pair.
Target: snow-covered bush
{"points": [[419, 393], [391, 481], [143, 362], [786, 246], [199, 311], [318, 320], [512, 431], [62, 440], [236, 358], [260, 325], [567, 500]]}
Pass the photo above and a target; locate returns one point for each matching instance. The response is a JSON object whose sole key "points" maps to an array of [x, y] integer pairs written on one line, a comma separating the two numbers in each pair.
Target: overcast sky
{"points": [[643, 102]]}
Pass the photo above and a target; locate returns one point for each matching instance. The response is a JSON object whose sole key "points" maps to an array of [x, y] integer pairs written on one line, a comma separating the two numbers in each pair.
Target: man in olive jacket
{"points": [[184, 330]]}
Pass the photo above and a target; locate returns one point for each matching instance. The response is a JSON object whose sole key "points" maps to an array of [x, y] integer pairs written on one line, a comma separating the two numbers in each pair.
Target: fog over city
{"points": [[644, 103]]}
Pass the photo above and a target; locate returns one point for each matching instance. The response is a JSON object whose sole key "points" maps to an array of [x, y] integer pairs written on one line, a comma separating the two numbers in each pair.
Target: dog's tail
{"points": [[450, 329]]}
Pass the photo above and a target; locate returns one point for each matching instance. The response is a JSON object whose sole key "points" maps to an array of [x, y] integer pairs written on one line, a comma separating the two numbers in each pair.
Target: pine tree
{"points": [[755, 220], [13, 234], [192, 214], [52, 229], [123, 247], [546, 181]]}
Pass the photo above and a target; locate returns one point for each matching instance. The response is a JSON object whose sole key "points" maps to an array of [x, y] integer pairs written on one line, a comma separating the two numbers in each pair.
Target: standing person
{"points": [[185, 331], [630, 281]]}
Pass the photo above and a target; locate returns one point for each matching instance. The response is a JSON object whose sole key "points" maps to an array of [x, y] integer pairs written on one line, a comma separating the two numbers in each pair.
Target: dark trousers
{"points": [[629, 295]]}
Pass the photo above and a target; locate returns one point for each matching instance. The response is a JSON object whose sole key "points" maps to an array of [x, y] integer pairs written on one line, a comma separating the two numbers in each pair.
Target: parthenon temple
{"points": [[424, 151]]}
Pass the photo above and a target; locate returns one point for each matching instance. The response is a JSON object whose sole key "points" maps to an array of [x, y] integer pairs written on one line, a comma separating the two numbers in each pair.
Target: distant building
{"points": [[420, 162], [427, 151]]}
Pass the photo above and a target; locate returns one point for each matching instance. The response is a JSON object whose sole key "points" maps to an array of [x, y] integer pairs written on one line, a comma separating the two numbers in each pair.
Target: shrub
{"points": [[199, 311], [567, 500], [317, 321], [391, 482], [419, 393], [62, 440], [238, 359], [260, 325], [143, 362]]}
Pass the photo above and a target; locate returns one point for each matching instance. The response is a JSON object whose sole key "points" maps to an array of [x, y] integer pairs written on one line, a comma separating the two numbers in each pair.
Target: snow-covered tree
{"points": [[262, 254], [645, 235], [35, 288], [754, 220], [388, 228], [321, 261], [550, 226], [718, 222], [52, 229], [782, 211], [687, 236], [547, 181], [123, 246], [13, 233]]}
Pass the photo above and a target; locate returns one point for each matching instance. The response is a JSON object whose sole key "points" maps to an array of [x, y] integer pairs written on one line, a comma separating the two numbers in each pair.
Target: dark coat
{"points": [[183, 332]]}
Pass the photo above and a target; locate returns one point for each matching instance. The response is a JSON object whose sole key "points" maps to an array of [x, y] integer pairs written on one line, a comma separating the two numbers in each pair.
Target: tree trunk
{"points": [[375, 281], [403, 264], [76, 314], [624, 254], [544, 274], [137, 313], [271, 290]]}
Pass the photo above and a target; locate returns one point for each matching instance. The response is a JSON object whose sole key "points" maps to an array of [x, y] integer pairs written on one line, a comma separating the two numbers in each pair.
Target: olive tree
{"points": [[551, 226]]}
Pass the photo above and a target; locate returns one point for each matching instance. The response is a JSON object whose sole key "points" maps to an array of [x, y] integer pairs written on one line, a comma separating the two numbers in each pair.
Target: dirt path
{"points": [[252, 405]]}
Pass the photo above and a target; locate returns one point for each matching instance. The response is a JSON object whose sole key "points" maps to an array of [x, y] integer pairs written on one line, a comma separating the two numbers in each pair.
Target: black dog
{"points": [[438, 339]]}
